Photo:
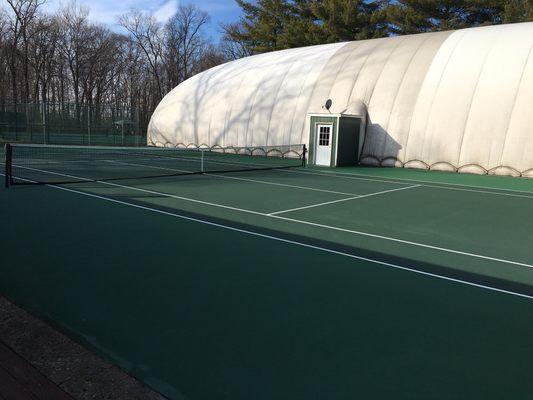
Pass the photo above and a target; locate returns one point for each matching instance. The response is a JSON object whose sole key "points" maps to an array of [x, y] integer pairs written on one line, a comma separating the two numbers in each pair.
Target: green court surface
{"points": [[303, 283]]}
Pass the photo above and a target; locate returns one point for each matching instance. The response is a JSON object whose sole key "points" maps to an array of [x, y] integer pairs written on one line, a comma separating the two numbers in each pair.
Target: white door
{"points": [[323, 145]]}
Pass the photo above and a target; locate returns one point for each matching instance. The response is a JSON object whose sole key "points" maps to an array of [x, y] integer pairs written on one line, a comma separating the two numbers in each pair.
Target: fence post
{"points": [[8, 165], [44, 121], [122, 125], [89, 123], [138, 134], [16, 120]]}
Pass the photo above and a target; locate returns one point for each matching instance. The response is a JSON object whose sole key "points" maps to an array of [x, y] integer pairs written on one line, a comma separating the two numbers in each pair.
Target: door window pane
{"points": [[324, 135]]}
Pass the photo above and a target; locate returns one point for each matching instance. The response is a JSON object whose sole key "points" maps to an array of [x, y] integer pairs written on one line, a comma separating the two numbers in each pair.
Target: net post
{"points": [[8, 165], [304, 156], [202, 160]]}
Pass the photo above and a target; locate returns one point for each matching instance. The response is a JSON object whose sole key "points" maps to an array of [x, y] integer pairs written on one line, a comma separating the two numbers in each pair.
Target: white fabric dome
{"points": [[458, 100]]}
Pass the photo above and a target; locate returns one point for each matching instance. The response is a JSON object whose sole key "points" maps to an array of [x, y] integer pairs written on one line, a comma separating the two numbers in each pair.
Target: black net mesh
{"points": [[50, 164]]}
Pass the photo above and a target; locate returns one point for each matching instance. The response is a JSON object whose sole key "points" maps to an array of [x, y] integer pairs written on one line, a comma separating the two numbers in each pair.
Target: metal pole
{"points": [[44, 109], [89, 124], [137, 127], [8, 165], [122, 128], [16, 120], [29, 124]]}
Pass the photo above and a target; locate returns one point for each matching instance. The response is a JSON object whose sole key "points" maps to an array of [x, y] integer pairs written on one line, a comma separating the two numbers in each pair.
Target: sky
{"points": [[107, 11]]}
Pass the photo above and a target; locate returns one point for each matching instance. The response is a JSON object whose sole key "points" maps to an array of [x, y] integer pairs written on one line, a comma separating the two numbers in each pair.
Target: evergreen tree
{"points": [[345, 20], [262, 25], [413, 16], [269, 25], [304, 28], [518, 11]]}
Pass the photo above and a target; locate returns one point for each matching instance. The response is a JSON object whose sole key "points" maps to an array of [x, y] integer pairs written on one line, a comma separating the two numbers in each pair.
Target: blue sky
{"points": [[107, 11]]}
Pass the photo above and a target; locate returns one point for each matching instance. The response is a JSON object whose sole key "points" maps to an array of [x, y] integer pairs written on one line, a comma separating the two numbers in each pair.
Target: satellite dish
{"points": [[328, 104]]}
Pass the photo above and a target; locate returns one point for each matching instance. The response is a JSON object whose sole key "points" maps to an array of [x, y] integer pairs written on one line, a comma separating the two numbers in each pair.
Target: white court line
{"points": [[342, 200], [240, 179], [432, 184], [408, 242], [392, 180], [147, 191], [147, 166], [359, 233], [281, 184], [441, 183], [314, 205], [436, 185], [323, 249]]}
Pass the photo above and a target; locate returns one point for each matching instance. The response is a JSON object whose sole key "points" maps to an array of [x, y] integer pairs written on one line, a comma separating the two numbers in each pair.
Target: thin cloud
{"points": [[166, 11], [107, 12]]}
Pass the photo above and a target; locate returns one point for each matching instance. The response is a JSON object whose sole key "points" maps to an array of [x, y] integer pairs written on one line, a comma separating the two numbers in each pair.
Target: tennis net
{"points": [[55, 164]]}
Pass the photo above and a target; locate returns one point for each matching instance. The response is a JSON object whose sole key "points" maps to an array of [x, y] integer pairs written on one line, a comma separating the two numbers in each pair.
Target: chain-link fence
{"points": [[71, 123]]}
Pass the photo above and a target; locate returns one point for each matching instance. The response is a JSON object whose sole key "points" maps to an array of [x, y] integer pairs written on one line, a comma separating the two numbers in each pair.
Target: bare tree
{"points": [[4, 54], [73, 44], [147, 34], [25, 11], [64, 57], [210, 56], [43, 53], [185, 41]]}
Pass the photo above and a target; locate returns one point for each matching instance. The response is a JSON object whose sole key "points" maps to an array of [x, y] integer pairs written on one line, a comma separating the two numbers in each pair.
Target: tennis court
{"points": [[282, 283]]}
